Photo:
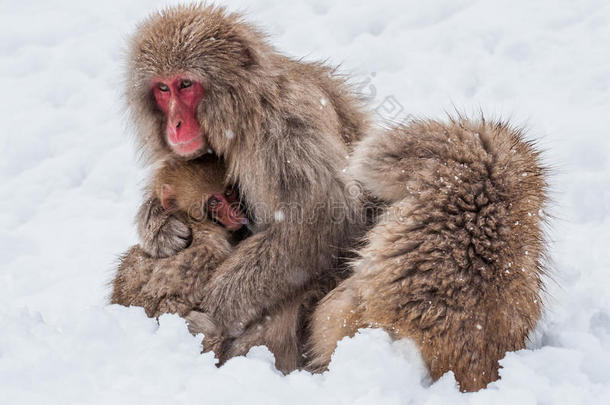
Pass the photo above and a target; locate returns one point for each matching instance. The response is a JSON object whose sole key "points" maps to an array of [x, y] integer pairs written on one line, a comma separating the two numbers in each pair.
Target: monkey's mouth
{"points": [[188, 148], [226, 209]]}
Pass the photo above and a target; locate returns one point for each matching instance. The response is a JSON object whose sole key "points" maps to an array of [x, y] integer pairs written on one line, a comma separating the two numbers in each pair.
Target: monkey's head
{"points": [[193, 79], [198, 188]]}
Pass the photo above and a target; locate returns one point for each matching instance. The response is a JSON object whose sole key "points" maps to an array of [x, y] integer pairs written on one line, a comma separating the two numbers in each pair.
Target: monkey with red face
{"points": [[178, 98], [199, 79], [196, 189], [433, 268]]}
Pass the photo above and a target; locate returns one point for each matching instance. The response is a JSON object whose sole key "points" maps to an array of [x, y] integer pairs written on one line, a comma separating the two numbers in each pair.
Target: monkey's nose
{"points": [[178, 124]]}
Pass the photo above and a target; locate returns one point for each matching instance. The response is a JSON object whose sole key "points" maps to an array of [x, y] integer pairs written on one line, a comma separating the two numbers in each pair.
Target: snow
{"points": [[70, 186]]}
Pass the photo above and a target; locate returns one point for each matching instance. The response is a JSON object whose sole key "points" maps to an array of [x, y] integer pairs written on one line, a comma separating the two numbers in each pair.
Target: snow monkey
{"points": [[452, 263], [455, 261], [201, 79], [197, 190], [192, 190]]}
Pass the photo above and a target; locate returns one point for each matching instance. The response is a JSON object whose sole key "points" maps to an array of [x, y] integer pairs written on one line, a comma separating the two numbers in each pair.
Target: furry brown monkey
{"points": [[201, 78], [170, 285], [455, 262]]}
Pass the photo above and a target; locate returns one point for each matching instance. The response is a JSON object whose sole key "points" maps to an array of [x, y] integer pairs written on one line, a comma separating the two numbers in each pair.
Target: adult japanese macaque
{"points": [[201, 79], [455, 261]]}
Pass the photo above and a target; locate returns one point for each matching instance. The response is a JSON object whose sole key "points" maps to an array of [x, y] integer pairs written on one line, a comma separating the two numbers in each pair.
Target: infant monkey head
{"points": [[198, 189]]}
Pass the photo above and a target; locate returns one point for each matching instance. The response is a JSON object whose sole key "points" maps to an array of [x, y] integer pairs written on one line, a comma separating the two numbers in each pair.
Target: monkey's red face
{"points": [[225, 209], [178, 98]]}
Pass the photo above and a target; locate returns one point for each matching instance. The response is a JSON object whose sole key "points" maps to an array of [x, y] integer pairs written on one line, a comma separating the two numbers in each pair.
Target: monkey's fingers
{"points": [[200, 322], [172, 238], [162, 233], [214, 341]]}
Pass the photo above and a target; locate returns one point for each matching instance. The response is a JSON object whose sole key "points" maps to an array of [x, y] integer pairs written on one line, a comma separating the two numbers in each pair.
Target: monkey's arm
{"points": [[162, 233], [174, 282], [304, 185], [137, 277]]}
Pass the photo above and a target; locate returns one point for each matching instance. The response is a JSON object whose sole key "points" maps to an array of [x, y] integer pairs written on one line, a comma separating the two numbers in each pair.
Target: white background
{"points": [[70, 186]]}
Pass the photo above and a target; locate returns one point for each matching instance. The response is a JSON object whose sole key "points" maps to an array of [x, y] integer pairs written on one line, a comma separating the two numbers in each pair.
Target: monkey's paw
{"points": [[201, 322], [166, 235]]}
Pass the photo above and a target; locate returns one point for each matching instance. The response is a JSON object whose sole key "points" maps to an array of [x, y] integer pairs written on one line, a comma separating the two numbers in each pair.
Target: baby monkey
{"points": [[197, 190]]}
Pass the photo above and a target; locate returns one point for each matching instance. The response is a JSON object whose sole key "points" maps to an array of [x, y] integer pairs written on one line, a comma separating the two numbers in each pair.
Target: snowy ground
{"points": [[69, 188]]}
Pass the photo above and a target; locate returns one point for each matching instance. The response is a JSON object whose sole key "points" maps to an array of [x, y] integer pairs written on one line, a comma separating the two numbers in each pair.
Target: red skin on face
{"points": [[227, 211], [179, 103]]}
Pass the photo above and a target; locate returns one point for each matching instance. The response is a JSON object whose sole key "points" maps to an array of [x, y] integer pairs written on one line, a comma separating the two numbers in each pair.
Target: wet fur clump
{"points": [[455, 261]]}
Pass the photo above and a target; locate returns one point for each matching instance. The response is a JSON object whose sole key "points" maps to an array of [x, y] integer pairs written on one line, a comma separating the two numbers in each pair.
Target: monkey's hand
{"points": [[162, 233], [200, 322], [171, 285]]}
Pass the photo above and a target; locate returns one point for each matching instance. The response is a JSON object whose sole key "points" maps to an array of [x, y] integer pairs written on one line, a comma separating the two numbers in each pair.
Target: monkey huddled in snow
{"points": [[197, 190], [453, 261]]}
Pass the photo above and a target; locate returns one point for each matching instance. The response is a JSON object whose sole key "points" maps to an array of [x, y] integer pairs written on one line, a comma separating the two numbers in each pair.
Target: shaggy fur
{"points": [[284, 332], [282, 126], [171, 285], [454, 263]]}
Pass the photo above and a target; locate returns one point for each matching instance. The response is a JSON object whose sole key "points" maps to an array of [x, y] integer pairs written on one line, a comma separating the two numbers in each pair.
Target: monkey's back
{"points": [[455, 261]]}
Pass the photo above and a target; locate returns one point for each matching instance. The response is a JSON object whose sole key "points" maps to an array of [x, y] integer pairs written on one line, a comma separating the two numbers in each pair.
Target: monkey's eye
{"points": [[185, 83], [213, 202], [229, 192], [162, 87]]}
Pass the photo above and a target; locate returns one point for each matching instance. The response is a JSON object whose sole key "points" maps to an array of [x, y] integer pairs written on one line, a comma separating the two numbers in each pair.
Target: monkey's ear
{"points": [[168, 197], [247, 56]]}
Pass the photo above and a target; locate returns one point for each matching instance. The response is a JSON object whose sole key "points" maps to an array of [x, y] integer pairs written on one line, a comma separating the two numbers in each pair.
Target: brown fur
{"points": [[465, 254], [284, 331], [455, 261], [169, 285], [291, 124], [191, 183]]}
